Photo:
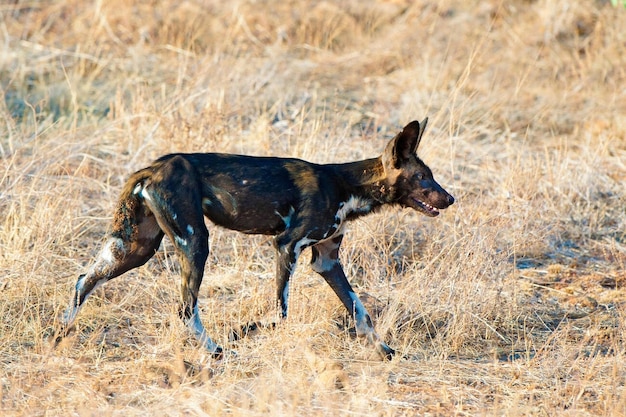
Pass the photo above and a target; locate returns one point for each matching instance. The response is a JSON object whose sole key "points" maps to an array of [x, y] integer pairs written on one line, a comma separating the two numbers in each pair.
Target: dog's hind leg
{"points": [[325, 261], [174, 196], [134, 239]]}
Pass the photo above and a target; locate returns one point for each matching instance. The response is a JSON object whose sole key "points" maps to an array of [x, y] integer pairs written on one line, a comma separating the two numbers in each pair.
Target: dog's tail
{"points": [[130, 208]]}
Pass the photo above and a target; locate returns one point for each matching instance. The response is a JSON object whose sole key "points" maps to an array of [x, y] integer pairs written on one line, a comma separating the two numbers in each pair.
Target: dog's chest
{"points": [[354, 206], [348, 209]]}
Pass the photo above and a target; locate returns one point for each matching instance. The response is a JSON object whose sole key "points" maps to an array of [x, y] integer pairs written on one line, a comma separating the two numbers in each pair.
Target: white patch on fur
{"points": [[335, 230], [81, 283], [145, 194], [286, 219], [107, 254], [286, 295], [70, 314], [360, 313], [72, 310], [353, 205], [137, 188], [199, 332], [190, 229], [301, 244], [323, 264], [180, 241], [206, 202]]}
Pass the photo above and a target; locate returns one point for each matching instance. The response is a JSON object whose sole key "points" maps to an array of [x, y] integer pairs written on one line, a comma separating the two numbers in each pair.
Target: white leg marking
{"points": [[81, 283], [360, 313], [286, 294], [107, 254], [111, 248], [324, 264], [180, 241], [70, 314], [301, 244], [72, 310], [199, 332]]}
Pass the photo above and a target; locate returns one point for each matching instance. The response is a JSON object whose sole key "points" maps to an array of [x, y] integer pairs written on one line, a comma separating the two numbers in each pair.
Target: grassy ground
{"points": [[512, 302]]}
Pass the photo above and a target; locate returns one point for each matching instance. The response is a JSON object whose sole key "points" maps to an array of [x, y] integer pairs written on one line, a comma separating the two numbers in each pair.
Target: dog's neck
{"points": [[366, 179]]}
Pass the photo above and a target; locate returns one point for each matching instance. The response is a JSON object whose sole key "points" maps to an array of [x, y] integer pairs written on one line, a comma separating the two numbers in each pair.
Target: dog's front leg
{"points": [[289, 248], [285, 264], [325, 261]]}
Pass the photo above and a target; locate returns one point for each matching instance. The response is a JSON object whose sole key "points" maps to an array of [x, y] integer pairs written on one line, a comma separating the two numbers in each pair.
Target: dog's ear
{"points": [[422, 128], [406, 142]]}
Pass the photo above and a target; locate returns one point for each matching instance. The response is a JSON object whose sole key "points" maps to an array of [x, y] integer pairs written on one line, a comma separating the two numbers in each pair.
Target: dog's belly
{"points": [[247, 215], [250, 222]]}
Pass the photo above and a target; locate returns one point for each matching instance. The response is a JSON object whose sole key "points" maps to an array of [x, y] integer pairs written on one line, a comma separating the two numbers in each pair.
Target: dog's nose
{"points": [[450, 200]]}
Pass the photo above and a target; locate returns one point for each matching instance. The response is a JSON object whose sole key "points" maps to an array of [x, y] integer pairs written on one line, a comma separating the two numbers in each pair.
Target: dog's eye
{"points": [[419, 176]]}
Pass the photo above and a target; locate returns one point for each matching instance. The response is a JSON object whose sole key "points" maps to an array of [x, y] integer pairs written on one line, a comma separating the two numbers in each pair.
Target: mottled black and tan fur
{"points": [[300, 203]]}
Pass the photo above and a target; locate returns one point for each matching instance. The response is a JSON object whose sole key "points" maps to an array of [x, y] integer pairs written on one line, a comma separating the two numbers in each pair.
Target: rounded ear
{"points": [[406, 142]]}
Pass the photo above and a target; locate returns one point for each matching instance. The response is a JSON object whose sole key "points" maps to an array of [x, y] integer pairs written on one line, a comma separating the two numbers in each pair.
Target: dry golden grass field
{"points": [[512, 302]]}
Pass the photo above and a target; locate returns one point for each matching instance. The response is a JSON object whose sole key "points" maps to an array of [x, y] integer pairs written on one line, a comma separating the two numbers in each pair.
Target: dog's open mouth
{"points": [[427, 208]]}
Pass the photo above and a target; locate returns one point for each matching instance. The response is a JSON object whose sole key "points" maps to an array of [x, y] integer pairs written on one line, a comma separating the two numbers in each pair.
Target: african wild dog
{"points": [[302, 204]]}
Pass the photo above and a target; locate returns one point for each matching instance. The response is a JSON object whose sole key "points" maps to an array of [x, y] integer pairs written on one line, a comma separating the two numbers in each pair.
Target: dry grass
{"points": [[512, 302]]}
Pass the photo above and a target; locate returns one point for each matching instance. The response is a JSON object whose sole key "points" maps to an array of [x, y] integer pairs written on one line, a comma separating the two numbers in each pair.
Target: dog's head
{"points": [[411, 182]]}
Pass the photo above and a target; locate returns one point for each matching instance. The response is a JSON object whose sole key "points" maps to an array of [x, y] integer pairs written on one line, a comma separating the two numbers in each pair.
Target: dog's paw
{"points": [[385, 351]]}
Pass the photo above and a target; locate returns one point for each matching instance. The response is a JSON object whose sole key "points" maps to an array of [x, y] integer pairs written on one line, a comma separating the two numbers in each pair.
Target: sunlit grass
{"points": [[511, 302]]}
